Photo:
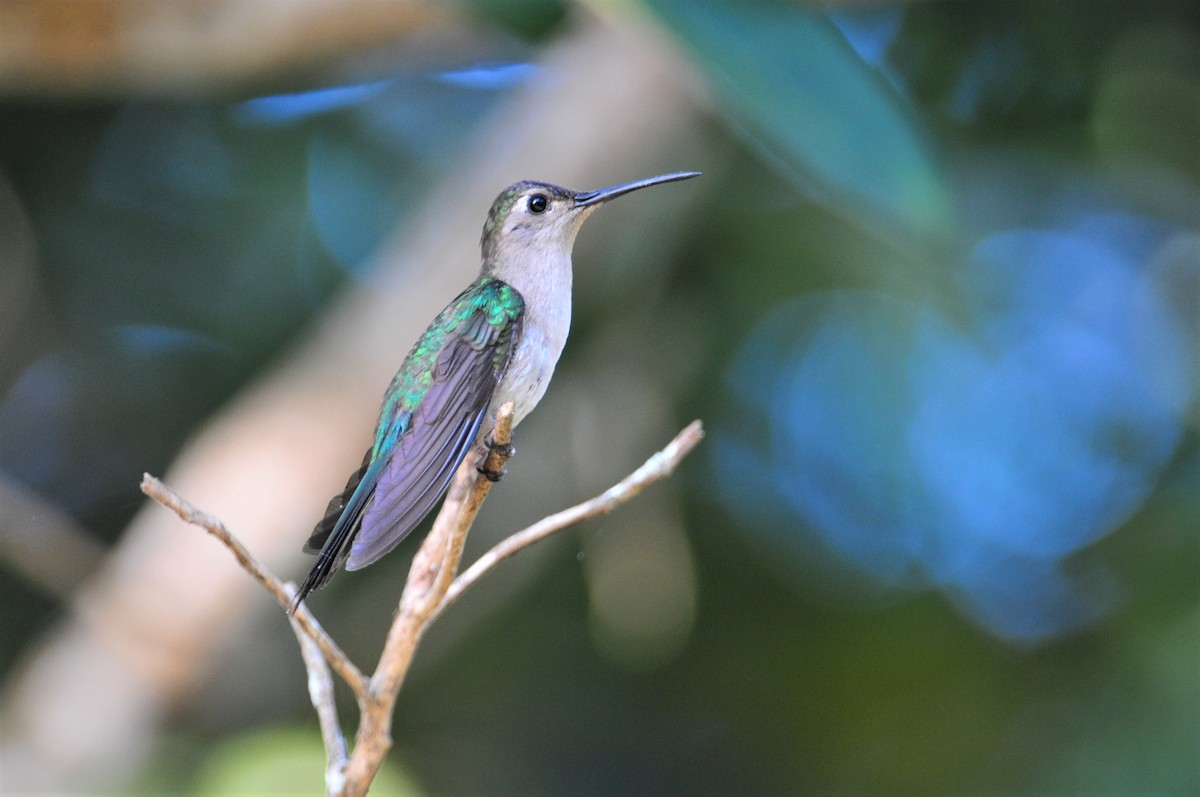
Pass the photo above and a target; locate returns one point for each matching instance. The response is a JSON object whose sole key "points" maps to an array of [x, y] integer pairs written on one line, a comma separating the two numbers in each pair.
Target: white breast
{"points": [[531, 368], [545, 324]]}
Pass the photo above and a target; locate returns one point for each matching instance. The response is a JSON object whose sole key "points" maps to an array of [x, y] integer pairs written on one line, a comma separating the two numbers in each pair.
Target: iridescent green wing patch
{"points": [[442, 397]]}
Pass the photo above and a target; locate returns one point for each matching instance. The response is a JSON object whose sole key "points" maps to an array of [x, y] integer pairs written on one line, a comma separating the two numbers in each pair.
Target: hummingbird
{"points": [[497, 341]]}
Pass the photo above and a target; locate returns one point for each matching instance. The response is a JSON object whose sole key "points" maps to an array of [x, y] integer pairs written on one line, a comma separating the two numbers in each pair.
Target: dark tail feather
{"points": [[330, 539], [318, 577], [337, 505]]}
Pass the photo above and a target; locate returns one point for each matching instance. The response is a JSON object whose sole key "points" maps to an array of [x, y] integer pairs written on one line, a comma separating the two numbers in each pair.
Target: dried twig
{"points": [[429, 578], [657, 467], [320, 692], [430, 588], [283, 595]]}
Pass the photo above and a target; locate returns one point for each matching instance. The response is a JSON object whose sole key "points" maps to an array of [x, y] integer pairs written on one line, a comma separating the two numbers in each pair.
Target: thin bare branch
{"points": [[430, 588], [429, 578], [320, 692], [657, 467], [282, 593]]}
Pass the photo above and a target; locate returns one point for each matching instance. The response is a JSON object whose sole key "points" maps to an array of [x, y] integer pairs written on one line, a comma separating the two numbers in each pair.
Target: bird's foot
{"points": [[489, 474], [507, 450]]}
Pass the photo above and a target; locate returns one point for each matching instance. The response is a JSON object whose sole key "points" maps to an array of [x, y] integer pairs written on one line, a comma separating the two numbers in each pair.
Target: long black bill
{"points": [[585, 198]]}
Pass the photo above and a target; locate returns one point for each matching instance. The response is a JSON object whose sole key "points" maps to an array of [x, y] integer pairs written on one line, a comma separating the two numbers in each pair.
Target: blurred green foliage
{"points": [[884, 152], [823, 116]]}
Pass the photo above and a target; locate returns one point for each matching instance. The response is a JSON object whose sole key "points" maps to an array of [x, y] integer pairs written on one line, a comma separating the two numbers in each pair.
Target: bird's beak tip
{"points": [[589, 198]]}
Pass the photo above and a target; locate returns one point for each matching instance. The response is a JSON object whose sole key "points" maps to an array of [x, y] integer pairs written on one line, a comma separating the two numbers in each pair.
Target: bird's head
{"points": [[535, 219]]}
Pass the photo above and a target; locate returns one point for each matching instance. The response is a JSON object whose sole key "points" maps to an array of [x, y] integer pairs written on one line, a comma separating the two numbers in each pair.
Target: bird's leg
{"points": [[505, 451]]}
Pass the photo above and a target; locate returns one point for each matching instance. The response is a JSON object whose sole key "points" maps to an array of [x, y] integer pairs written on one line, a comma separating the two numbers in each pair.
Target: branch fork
{"points": [[433, 584]]}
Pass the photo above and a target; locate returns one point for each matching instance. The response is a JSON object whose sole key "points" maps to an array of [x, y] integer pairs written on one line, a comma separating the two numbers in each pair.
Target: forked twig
{"points": [[431, 587], [657, 467], [270, 582]]}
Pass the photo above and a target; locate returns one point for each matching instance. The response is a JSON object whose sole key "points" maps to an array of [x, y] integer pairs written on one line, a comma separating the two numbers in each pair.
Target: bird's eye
{"points": [[538, 203]]}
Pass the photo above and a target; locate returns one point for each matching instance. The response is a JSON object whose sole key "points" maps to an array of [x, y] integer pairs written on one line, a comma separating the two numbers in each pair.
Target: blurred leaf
{"points": [[825, 118], [281, 761]]}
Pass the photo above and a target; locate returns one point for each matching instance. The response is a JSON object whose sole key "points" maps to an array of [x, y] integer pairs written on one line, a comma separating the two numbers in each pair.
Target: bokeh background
{"points": [[936, 298]]}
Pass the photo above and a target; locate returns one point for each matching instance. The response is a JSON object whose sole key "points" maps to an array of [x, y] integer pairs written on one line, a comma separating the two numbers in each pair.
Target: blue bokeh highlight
{"points": [[286, 109], [975, 457]]}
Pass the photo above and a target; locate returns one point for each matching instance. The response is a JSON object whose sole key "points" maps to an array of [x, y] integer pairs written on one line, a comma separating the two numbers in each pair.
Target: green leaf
{"points": [[826, 120]]}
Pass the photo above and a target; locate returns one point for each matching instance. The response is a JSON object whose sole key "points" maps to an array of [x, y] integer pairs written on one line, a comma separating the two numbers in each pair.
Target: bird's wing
{"points": [[425, 430], [444, 424]]}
